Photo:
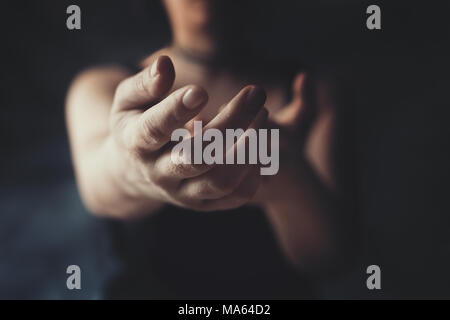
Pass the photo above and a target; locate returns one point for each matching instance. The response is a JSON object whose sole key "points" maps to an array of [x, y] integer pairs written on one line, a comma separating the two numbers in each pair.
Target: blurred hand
{"points": [[294, 122]]}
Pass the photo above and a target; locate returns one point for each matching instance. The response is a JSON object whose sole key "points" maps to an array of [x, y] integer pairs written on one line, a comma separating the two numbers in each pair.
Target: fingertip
{"points": [[299, 82], [164, 66], [255, 97], [255, 94], [162, 72], [195, 97]]}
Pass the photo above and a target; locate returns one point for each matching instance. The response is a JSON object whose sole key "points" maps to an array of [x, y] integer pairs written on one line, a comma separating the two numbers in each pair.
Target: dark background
{"points": [[400, 83]]}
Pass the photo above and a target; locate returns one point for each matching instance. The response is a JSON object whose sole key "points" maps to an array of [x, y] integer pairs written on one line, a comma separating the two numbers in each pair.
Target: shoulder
{"points": [[97, 80], [100, 75]]}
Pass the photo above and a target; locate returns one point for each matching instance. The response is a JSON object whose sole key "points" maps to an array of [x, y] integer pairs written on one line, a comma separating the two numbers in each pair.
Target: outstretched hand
{"points": [[143, 117]]}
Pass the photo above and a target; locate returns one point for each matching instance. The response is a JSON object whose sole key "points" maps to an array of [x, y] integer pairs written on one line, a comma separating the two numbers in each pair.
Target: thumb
{"points": [[299, 112], [145, 88]]}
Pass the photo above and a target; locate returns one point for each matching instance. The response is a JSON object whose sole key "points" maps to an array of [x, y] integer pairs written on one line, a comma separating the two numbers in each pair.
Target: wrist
{"points": [[135, 195], [284, 187]]}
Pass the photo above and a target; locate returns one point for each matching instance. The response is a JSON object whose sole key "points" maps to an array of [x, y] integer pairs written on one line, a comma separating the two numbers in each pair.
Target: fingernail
{"points": [[256, 97], [193, 98], [154, 71]]}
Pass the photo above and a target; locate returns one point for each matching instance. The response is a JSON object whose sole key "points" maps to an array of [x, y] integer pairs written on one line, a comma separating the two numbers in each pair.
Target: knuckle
{"points": [[153, 176], [151, 132], [117, 95], [178, 169], [186, 170], [205, 192], [144, 170], [141, 83], [117, 122], [121, 94], [159, 178], [147, 174], [136, 153], [136, 149]]}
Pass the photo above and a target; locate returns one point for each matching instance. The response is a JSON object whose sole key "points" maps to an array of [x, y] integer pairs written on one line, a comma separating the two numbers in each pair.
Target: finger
{"points": [[171, 172], [245, 150], [224, 179], [290, 115], [242, 195], [146, 87], [190, 124], [249, 99], [298, 116], [154, 127], [240, 111], [215, 184], [298, 85]]}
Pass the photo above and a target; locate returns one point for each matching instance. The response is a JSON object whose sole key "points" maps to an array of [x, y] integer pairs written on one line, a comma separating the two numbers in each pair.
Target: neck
{"points": [[207, 48], [199, 43]]}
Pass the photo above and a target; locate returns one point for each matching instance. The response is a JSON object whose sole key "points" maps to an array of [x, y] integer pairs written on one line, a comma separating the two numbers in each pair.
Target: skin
{"points": [[120, 126]]}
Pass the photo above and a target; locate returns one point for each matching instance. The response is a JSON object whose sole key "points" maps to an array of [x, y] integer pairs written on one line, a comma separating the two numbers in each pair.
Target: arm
{"points": [[97, 158], [120, 127], [300, 201]]}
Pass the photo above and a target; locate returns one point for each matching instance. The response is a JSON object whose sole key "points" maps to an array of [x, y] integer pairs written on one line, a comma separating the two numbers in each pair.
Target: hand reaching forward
{"points": [[142, 120], [120, 129]]}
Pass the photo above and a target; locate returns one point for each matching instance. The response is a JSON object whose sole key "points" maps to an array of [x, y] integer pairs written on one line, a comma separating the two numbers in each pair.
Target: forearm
{"points": [[302, 213], [105, 180]]}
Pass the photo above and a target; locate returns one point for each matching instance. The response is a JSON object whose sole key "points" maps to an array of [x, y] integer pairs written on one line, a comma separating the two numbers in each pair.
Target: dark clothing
{"points": [[179, 253]]}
